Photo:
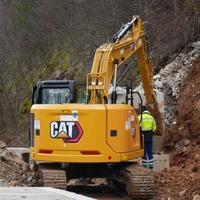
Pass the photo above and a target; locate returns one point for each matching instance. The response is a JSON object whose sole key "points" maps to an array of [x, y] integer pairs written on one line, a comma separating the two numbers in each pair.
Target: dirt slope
{"points": [[187, 112], [182, 180], [189, 107]]}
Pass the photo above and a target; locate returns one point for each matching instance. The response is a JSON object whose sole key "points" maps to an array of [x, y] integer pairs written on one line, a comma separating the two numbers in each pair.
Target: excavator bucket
{"points": [[157, 110], [159, 117]]}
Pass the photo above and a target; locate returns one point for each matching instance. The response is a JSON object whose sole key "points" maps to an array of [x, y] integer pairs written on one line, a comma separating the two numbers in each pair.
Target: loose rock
{"points": [[196, 197]]}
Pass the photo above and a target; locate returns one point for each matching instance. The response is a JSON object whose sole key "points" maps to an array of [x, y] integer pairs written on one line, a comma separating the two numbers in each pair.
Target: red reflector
{"points": [[45, 151], [90, 152]]}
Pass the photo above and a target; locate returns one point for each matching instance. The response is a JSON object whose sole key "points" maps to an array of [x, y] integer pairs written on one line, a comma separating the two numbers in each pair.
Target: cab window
{"points": [[55, 95]]}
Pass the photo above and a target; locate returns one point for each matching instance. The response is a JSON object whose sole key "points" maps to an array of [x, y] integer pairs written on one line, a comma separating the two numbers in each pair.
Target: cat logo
{"points": [[69, 131]]}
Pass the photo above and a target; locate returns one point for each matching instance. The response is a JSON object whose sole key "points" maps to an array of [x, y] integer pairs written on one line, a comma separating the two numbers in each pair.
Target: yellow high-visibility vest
{"points": [[148, 122]]}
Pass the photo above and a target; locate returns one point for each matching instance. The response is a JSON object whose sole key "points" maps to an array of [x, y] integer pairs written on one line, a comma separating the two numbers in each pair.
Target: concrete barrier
{"points": [[3, 183], [38, 193], [22, 153], [161, 162]]}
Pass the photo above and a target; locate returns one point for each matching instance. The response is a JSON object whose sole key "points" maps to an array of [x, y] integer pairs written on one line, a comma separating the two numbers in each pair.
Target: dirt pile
{"points": [[182, 180], [13, 171]]}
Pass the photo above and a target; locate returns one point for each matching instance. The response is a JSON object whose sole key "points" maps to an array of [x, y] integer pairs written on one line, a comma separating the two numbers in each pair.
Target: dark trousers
{"points": [[147, 159]]}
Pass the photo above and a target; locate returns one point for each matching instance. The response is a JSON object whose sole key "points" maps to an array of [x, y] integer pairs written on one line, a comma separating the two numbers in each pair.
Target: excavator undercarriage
{"points": [[52, 175], [137, 181]]}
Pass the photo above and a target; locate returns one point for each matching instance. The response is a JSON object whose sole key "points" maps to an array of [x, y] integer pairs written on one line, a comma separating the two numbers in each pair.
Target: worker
{"points": [[148, 127]]}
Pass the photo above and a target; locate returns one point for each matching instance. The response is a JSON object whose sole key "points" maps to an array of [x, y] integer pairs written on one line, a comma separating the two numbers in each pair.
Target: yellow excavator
{"points": [[94, 139]]}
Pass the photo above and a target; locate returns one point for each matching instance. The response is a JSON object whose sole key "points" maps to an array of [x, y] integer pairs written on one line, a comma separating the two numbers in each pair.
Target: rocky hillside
{"points": [[171, 79], [48, 39], [180, 81]]}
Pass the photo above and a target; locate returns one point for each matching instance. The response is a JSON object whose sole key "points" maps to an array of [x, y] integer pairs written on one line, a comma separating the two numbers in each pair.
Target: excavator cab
{"points": [[54, 92]]}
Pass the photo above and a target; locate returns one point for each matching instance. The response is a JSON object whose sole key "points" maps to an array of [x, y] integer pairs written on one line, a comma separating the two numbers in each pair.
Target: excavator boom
{"points": [[128, 41]]}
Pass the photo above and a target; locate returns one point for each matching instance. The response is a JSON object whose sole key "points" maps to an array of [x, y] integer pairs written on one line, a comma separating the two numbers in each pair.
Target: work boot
{"points": [[150, 166], [145, 165]]}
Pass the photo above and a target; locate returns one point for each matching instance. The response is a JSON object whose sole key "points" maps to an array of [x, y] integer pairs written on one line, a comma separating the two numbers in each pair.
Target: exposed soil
{"points": [[182, 180], [13, 171]]}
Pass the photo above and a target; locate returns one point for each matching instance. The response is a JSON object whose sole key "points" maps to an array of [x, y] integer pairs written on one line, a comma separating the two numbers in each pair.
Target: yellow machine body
{"points": [[109, 133]]}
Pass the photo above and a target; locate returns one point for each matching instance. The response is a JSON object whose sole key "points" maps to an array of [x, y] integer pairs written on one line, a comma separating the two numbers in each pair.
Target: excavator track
{"points": [[52, 177], [137, 181]]}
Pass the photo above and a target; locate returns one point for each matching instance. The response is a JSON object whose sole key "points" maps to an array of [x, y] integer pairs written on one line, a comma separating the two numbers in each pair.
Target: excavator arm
{"points": [[128, 41]]}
